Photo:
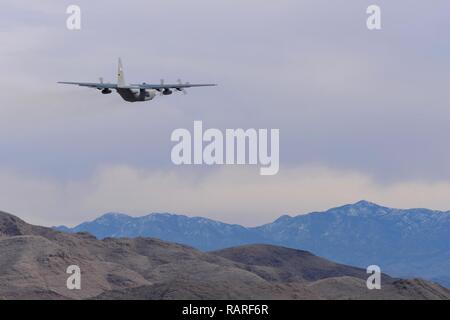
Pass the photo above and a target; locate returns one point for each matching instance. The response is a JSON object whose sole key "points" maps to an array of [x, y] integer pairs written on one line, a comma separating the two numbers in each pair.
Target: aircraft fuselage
{"points": [[133, 95]]}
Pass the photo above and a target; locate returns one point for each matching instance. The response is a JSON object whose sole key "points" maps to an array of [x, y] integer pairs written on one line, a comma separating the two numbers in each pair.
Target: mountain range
{"points": [[34, 260], [404, 243]]}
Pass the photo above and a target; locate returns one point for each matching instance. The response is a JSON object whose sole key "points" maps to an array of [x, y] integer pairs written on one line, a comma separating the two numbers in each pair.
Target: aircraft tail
{"points": [[120, 76]]}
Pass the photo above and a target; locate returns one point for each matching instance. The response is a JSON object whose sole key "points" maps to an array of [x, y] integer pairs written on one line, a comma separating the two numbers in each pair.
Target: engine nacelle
{"points": [[149, 94], [106, 91], [167, 92]]}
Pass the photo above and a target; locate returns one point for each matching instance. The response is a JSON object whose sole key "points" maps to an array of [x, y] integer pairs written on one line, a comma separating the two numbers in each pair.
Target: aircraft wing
{"points": [[96, 85], [159, 87], [178, 86]]}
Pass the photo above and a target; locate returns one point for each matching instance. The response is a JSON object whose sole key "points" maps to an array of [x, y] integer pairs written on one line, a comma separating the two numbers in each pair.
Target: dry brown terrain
{"points": [[33, 262]]}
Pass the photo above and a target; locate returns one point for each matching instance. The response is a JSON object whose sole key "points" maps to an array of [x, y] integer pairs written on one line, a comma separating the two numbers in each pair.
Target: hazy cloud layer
{"points": [[233, 195], [344, 98]]}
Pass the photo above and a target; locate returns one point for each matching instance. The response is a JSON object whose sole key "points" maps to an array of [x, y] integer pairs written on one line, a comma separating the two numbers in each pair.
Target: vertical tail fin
{"points": [[120, 76]]}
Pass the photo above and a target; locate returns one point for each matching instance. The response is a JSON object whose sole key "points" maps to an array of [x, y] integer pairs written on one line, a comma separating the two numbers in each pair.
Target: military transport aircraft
{"points": [[137, 92]]}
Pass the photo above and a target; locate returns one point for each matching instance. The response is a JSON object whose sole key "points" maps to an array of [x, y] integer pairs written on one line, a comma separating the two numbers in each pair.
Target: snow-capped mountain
{"points": [[406, 243]]}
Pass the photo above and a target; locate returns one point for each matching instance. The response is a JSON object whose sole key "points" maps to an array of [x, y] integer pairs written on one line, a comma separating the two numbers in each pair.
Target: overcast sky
{"points": [[362, 114]]}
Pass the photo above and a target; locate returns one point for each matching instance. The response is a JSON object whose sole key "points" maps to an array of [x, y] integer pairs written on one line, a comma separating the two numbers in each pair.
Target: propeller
{"points": [[101, 81], [182, 89], [161, 90]]}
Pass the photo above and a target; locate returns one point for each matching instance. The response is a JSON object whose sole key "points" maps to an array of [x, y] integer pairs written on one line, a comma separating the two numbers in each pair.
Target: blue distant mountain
{"points": [[404, 243], [200, 233]]}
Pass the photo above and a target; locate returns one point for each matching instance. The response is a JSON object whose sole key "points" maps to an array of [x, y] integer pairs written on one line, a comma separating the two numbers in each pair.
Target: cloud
{"points": [[369, 107], [232, 194], [341, 96]]}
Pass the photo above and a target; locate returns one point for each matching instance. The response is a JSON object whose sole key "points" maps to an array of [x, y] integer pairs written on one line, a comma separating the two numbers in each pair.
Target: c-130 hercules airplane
{"points": [[137, 92]]}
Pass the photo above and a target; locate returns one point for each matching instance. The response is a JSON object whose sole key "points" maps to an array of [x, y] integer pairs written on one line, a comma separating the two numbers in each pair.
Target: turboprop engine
{"points": [[147, 94]]}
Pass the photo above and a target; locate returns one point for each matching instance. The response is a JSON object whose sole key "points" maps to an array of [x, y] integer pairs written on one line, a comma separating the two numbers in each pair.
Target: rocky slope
{"points": [[33, 262]]}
